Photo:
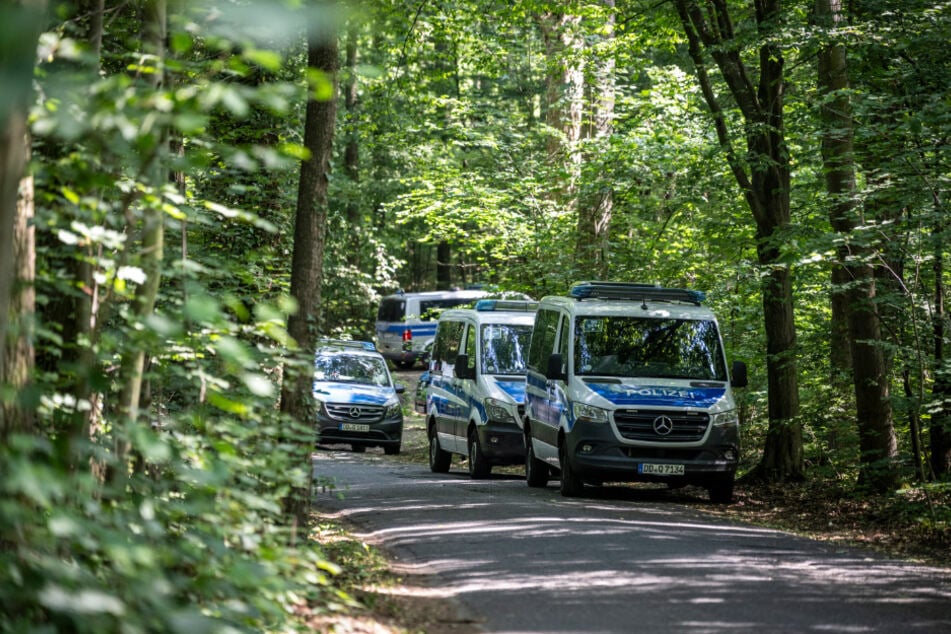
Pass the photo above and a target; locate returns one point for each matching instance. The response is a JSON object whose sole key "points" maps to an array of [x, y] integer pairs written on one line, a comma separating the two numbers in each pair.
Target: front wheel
{"points": [[536, 471], [479, 467], [439, 459], [392, 450], [571, 483]]}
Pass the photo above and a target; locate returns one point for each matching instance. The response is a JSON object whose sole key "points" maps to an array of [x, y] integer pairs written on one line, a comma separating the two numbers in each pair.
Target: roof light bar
{"points": [[485, 305], [635, 292]]}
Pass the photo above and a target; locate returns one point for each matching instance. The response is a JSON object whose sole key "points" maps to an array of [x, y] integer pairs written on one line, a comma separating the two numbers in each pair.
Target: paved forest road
{"points": [[622, 560]]}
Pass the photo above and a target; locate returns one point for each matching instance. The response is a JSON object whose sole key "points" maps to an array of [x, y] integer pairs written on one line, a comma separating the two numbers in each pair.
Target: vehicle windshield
{"points": [[504, 347], [656, 348], [352, 369]]}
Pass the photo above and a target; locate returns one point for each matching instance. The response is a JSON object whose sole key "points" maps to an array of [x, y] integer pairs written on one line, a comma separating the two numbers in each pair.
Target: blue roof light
{"points": [[635, 292], [486, 305]]}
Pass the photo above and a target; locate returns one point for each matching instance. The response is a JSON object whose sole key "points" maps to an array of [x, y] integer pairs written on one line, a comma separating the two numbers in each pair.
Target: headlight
{"points": [[590, 413], [319, 406], [497, 410], [726, 419], [393, 409]]}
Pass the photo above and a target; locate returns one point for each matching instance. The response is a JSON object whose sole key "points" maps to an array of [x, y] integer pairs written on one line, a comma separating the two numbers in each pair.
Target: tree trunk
{"points": [[307, 264], [877, 441], [594, 215], [940, 431], [132, 369], [19, 32], [17, 361], [709, 31], [564, 101]]}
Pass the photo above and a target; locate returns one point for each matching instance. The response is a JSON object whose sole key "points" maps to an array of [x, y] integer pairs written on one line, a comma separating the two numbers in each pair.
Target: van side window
{"points": [[470, 348], [448, 338], [563, 342], [543, 339]]}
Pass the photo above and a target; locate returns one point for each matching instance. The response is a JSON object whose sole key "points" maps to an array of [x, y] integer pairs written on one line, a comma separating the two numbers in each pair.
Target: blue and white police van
{"points": [[476, 389], [357, 401], [629, 382], [406, 322]]}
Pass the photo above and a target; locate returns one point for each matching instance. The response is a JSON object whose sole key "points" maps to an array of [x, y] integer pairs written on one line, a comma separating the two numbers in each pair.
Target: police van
{"points": [[629, 382], [406, 322], [476, 389]]}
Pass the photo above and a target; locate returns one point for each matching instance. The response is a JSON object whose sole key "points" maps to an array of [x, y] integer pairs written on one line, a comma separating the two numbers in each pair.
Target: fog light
{"points": [[730, 454], [586, 448], [493, 440]]}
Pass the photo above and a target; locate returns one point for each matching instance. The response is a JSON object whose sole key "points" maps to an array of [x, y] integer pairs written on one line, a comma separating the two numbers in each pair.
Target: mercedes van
{"points": [[476, 389], [406, 322], [629, 382]]}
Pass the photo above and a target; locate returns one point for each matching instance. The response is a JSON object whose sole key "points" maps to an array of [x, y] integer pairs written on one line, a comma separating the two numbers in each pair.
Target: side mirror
{"points": [[462, 369], [399, 387], [738, 374], [554, 370]]}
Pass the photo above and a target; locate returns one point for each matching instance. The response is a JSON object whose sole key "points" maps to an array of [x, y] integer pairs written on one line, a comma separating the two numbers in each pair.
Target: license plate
{"points": [[354, 427], [650, 468]]}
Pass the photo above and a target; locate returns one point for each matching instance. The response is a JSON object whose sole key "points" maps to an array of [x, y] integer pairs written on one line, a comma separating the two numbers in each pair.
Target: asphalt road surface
{"points": [[623, 559]]}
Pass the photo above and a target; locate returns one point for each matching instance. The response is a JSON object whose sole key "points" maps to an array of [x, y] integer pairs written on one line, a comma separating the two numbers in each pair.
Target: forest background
{"points": [[192, 193]]}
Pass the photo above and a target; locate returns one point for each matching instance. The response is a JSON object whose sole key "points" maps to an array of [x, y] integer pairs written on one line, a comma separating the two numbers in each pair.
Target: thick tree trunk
{"points": [[307, 264], [564, 101], [877, 441], [940, 431], [709, 30], [19, 31], [17, 361], [594, 215]]}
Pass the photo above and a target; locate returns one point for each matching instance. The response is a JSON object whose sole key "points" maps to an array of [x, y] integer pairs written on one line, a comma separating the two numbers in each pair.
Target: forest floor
{"points": [[914, 524]]}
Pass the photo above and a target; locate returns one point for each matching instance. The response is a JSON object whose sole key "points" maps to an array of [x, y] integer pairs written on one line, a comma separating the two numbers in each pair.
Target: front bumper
{"points": [[384, 433], [502, 443], [597, 456]]}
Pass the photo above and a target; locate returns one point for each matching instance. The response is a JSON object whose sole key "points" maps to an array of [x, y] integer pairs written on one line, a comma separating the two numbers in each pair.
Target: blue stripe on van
{"points": [[658, 395], [421, 330], [515, 389]]}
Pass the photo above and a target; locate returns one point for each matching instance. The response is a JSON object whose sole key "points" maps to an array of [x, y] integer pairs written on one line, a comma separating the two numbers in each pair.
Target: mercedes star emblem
{"points": [[355, 412], [663, 425]]}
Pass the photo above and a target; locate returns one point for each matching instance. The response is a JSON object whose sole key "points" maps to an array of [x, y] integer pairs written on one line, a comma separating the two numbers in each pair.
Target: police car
{"points": [[358, 403], [476, 387], [629, 382]]}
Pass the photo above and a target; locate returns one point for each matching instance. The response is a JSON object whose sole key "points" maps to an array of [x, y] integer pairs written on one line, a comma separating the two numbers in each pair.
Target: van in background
{"points": [[406, 322]]}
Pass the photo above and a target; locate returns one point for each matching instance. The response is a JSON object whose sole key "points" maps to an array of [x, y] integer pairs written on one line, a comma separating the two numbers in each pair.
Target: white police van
{"points": [[629, 382], [476, 392], [406, 322]]}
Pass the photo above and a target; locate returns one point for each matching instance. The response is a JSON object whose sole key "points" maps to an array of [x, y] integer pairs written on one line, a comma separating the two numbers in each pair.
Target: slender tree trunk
{"points": [[307, 264], [877, 441], [709, 31], [153, 227], [351, 151], [940, 431]]}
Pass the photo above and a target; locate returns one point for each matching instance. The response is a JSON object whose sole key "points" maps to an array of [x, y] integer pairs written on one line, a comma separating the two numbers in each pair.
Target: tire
{"points": [[479, 467], [439, 459], [721, 490], [571, 484], [391, 450], [536, 471], [358, 448]]}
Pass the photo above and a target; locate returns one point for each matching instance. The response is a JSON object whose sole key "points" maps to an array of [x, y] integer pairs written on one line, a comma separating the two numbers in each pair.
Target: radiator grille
{"points": [[635, 424]]}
